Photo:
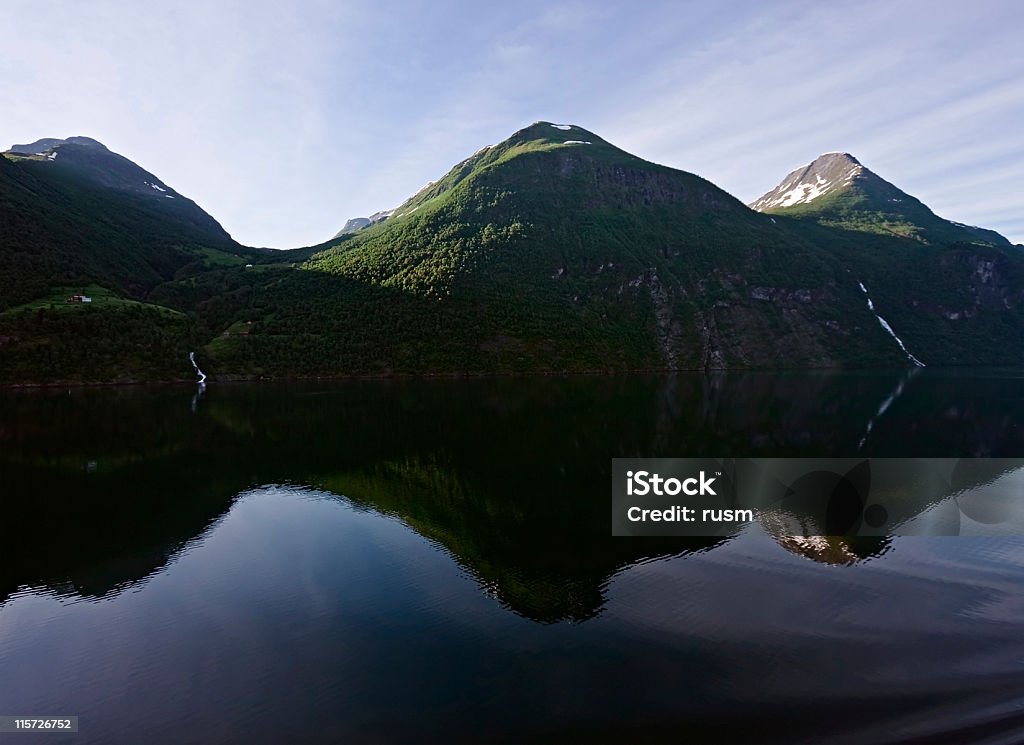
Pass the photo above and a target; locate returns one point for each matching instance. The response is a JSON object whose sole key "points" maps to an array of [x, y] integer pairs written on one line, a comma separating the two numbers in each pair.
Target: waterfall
{"points": [[200, 373], [887, 327]]}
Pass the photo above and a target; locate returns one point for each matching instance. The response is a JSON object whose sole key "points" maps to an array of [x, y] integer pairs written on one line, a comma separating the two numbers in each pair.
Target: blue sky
{"points": [[284, 119]]}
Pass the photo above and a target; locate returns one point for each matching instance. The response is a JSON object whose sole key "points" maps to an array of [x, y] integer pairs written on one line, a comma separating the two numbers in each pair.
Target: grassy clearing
{"points": [[102, 299], [213, 257]]}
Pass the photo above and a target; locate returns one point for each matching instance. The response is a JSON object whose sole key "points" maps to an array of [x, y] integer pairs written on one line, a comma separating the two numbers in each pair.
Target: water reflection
{"points": [[301, 615], [198, 396], [510, 476], [263, 571], [889, 400]]}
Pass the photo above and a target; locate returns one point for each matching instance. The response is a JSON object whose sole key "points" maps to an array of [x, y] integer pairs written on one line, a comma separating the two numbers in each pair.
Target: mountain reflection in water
{"points": [[269, 535]]}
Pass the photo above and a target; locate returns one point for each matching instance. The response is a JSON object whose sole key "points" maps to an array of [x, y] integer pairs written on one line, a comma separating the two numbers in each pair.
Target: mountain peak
{"points": [[827, 173], [87, 141], [542, 125], [541, 136], [47, 144], [355, 224], [836, 155], [566, 134], [859, 199], [92, 163]]}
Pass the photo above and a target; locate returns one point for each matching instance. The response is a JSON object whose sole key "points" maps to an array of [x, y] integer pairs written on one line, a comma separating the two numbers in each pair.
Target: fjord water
{"points": [[432, 561]]}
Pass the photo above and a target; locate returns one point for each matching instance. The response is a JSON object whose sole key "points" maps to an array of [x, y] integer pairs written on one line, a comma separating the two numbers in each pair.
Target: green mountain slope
{"points": [[84, 161], [77, 218], [551, 251], [79, 213], [555, 250]]}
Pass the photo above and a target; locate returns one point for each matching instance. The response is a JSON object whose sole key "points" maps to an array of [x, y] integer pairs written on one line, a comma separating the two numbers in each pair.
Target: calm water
{"points": [[432, 561]]}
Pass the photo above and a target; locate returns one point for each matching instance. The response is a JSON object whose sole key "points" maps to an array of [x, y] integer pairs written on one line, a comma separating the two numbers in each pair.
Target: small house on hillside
{"points": [[79, 299]]}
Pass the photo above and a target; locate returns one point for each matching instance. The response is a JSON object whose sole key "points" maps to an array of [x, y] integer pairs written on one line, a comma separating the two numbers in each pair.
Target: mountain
{"points": [[47, 144], [555, 250], [74, 212], [76, 218], [353, 225], [356, 224], [85, 160], [552, 251], [836, 189]]}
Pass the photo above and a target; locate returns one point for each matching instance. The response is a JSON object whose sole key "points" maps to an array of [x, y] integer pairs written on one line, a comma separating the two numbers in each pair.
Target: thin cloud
{"points": [[284, 120]]}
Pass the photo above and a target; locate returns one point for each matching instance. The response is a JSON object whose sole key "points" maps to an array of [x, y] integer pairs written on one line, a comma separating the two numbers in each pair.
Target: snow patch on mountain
{"points": [[356, 224], [825, 174], [562, 126]]}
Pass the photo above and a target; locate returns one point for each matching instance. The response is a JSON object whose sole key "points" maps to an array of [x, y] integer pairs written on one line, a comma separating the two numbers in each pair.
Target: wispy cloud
{"points": [[285, 119], [915, 90]]}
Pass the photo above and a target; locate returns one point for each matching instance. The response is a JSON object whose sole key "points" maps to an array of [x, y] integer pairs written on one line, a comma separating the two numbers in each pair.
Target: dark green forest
{"points": [[551, 252]]}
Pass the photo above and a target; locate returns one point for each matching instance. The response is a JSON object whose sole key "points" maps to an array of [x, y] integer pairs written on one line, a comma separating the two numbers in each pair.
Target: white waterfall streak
{"points": [[200, 373], [887, 327]]}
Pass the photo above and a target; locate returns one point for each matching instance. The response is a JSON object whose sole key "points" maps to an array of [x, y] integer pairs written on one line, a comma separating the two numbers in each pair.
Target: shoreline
{"points": [[460, 376]]}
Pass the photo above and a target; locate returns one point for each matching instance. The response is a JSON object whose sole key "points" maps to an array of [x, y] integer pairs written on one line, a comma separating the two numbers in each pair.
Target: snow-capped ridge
{"points": [[826, 173]]}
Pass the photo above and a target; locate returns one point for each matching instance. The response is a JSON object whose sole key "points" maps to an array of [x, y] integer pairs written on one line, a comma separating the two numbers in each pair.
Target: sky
{"points": [[284, 119]]}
